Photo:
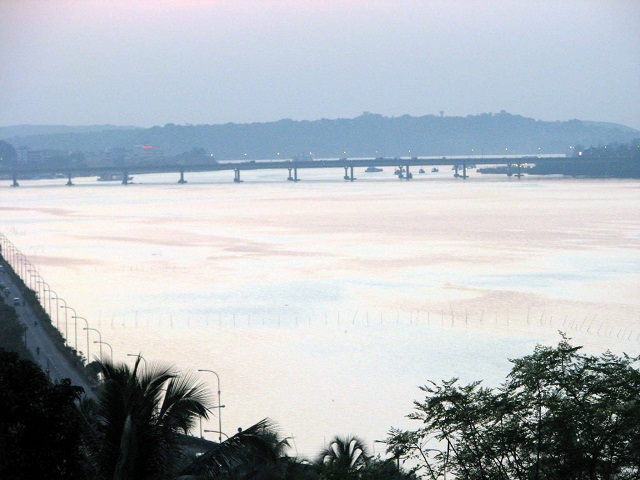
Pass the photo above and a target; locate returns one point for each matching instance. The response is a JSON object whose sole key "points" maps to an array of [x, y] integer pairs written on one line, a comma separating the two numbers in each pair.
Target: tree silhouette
{"points": [[39, 423], [8, 155], [343, 457], [560, 414], [140, 414]]}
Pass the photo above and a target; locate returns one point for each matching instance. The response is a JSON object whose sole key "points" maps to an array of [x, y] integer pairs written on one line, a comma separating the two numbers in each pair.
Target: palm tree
{"points": [[140, 416], [343, 456], [256, 453]]}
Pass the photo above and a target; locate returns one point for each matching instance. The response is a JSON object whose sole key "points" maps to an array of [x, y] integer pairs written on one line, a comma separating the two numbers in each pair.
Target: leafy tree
{"points": [[139, 418], [12, 331], [40, 425], [8, 155], [384, 469], [559, 415]]}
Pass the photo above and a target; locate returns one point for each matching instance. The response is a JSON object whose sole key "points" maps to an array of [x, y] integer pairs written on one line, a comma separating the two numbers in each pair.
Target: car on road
{"points": [[16, 301]]}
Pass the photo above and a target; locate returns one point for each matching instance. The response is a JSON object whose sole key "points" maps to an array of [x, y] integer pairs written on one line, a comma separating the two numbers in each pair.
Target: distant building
{"points": [[145, 154], [26, 156]]}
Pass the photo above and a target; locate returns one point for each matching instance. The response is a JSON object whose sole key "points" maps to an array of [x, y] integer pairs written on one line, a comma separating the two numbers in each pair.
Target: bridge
{"points": [[460, 165]]}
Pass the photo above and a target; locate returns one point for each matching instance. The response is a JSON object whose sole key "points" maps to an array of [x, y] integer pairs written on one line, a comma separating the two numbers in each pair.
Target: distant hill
{"points": [[33, 130], [368, 135]]}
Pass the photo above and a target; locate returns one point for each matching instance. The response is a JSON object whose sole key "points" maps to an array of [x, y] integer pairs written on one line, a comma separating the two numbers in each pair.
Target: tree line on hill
{"points": [[368, 135]]}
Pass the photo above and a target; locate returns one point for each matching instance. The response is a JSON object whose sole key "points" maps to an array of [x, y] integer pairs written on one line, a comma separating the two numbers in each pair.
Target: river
{"points": [[324, 304]]}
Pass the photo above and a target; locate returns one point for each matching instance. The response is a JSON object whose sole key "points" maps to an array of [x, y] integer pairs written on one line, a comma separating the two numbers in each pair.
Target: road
{"points": [[39, 343]]}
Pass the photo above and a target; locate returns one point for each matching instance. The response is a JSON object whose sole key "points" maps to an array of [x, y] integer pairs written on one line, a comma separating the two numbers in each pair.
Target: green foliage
{"points": [[8, 155], [559, 415], [39, 423], [379, 469], [12, 331], [360, 136]]}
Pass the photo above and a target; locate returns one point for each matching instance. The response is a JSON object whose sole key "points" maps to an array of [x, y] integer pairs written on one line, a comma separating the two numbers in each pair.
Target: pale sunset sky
{"points": [[151, 62]]}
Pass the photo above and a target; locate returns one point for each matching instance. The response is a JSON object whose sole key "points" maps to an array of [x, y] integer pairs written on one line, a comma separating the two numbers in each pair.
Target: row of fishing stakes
{"points": [[33, 281]]}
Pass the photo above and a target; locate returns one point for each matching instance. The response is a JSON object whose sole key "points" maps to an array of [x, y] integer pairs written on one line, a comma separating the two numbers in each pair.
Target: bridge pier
{"points": [[349, 176], [464, 170], [15, 180], [69, 182], [295, 174], [182, 180], [509, 172], [519, 174], [409, 175], [125, 178], [236, 175]]}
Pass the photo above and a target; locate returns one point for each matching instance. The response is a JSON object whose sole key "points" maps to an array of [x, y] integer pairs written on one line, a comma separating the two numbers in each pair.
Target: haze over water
{"points": [[324, 304]]}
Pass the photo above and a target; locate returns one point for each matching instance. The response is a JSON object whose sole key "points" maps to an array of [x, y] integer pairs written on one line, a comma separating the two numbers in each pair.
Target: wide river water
{"points": [[324, 304]]}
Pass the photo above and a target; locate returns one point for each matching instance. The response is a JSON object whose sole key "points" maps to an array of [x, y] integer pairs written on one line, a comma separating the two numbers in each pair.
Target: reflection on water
{"points": [[324, 304]]}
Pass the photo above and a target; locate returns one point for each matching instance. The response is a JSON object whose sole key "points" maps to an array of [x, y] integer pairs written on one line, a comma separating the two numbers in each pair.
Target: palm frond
{"points": [[185, 400], [244, 450]]}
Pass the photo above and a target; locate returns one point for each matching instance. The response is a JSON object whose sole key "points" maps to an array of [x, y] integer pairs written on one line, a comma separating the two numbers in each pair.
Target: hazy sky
{"points": [[151, 62]]}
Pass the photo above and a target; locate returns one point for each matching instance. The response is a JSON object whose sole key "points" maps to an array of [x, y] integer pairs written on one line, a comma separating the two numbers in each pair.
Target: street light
{"points": [[57, 310], [87, 323], [139, 356], [66, 321], [47, 289], [74, 315], [34, 273], [99, 334], [101, 342], [216, 431], [23, 266], [219, 403], [14, 253]]}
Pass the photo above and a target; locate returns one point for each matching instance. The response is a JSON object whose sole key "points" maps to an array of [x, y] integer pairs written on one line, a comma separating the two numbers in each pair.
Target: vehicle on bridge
{"points": [[303, 157], [112, 177]]}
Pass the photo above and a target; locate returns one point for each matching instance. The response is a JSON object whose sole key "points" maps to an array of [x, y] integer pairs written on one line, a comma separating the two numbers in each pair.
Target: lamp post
{"points": [[99, 335], [11, 259], [216, 431], [66, 321], [139, 356], [34, 273], [101, 342], [87, 323], [219, 403], [22, 265], [57, 309], [76, 322], [47, 289]]}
